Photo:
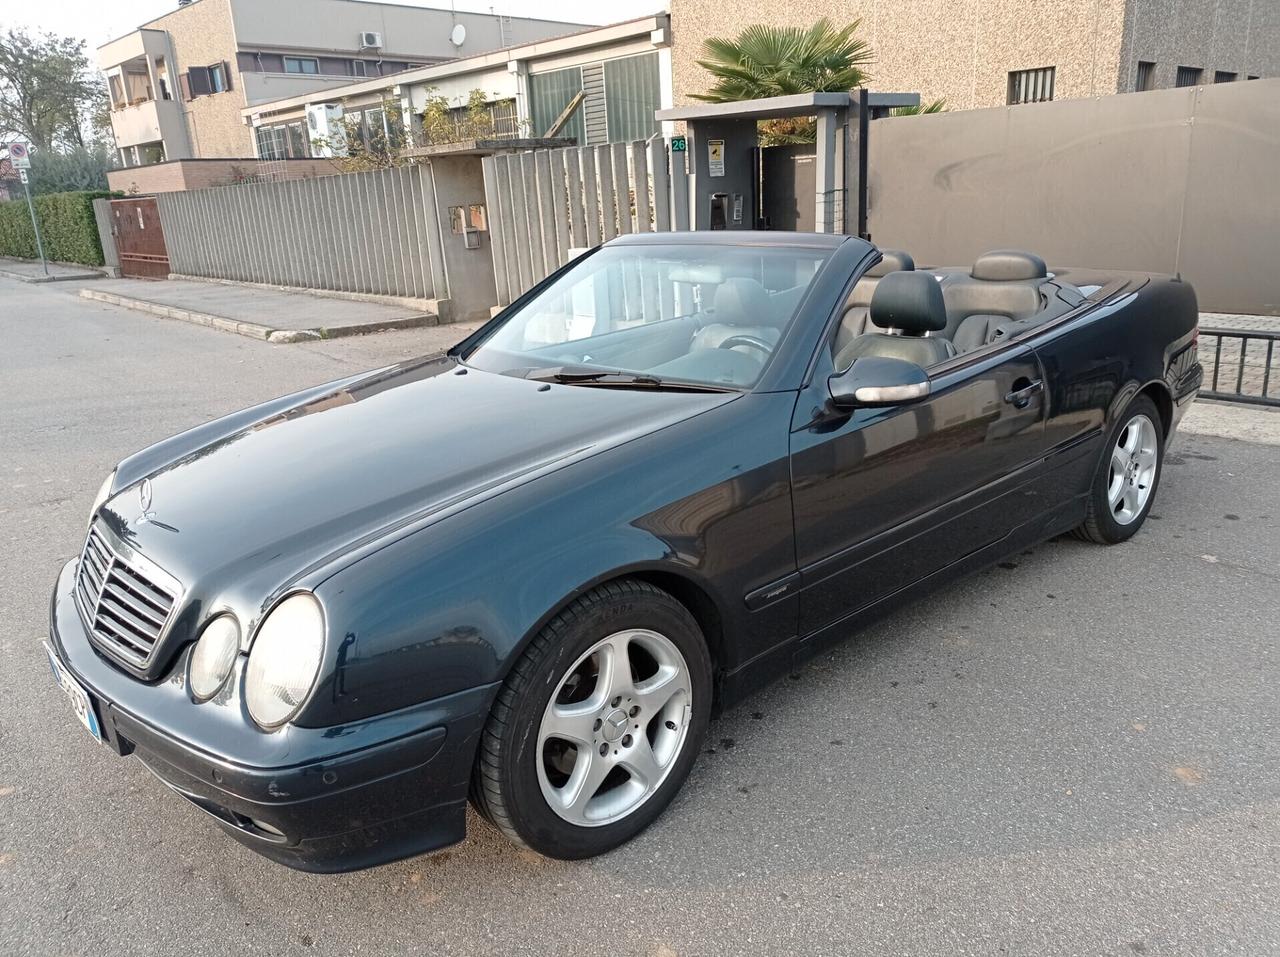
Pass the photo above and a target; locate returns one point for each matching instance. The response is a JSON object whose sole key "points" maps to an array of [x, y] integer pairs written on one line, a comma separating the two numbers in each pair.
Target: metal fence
{"points": [[544, 203], [1238, 365], [376, 232]]}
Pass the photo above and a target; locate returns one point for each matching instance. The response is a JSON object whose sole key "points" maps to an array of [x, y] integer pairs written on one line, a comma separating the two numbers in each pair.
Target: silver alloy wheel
{"points": [[614, 727], [1132, 471]]}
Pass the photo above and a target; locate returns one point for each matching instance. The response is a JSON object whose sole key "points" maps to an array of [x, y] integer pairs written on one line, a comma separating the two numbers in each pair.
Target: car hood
{"points": [[268, 497]]}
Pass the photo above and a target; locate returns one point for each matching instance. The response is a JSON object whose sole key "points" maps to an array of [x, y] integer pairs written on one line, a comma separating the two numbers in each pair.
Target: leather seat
{"points": [[910, 304], [1003, 282], [853, 320], [742, 307]]}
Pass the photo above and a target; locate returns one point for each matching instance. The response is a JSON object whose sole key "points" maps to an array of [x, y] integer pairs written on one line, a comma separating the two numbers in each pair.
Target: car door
{"points": [[887, 496]]}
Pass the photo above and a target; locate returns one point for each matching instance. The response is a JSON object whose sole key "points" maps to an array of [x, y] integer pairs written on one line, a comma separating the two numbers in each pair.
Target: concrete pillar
{"points": [[825, 192]]}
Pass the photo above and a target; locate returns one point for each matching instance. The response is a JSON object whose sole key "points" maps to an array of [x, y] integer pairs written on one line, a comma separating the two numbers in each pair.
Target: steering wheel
{"points": [[752, 342]]}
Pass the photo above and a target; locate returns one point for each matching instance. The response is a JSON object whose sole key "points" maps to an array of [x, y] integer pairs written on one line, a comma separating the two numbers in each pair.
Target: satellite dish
{"points": [[459, 35]]}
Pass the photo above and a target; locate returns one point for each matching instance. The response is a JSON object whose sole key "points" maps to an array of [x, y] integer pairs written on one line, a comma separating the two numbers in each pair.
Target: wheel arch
{"points": [[676, 581], [1158, 392]]}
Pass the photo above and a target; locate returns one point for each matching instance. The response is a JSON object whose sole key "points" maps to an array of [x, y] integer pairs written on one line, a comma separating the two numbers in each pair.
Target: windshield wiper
{"points": [[571, 375]]}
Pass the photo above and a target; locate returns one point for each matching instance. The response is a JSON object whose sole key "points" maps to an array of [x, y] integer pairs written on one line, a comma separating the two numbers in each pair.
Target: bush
{"points": [[66, 225], [78, 169]]}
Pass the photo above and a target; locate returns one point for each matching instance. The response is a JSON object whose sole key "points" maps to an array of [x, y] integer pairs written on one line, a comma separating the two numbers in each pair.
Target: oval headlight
{"points": [[104, 493], [214, 657], [284, 660]]}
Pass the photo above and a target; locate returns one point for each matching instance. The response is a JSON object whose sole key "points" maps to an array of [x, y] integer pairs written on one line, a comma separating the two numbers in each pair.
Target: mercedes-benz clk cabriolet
{"points": [[528, 571]]}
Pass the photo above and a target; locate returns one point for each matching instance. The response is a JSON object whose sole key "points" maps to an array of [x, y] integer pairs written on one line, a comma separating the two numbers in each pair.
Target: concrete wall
{"points": [[961, 52], [964, 52], [1235, 36], [203, 174], [1174, 181], [202, 34]]}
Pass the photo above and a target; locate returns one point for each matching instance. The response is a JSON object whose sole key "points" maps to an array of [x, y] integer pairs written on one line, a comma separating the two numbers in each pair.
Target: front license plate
{"points": [[81, 703]]}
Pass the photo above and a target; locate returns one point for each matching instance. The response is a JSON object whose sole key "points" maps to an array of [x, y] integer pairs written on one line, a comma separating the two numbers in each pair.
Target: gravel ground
{"points": [[1077, 752]]}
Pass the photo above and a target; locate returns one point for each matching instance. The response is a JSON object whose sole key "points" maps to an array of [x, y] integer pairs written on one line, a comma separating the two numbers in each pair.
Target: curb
{"points": [[40, 280], [254, 330], [432, 307]]}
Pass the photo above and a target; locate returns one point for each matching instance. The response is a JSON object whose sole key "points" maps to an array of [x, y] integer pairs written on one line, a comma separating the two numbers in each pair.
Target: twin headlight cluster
{"points": [[283, 662]]}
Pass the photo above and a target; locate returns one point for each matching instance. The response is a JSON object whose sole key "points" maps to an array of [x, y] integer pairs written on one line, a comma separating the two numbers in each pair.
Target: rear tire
{"points": [[1128, 475], [598, 724]]}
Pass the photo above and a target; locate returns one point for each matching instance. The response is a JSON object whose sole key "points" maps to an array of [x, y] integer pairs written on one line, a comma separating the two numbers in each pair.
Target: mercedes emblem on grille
{"points": [[144, 496]]}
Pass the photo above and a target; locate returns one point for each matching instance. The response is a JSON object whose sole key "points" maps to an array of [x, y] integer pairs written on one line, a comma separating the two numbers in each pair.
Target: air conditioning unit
{"points": [[325, 129], [370, 40]]}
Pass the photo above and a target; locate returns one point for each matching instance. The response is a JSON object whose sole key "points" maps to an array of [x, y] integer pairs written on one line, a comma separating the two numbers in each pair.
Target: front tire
{"points": [[1125, 484], [598, 724]]}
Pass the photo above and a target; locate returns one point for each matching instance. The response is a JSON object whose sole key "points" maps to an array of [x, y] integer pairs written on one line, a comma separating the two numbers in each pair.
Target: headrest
{"points": [[895, 260], [910, 301], [1006, 265], [741, 302]]}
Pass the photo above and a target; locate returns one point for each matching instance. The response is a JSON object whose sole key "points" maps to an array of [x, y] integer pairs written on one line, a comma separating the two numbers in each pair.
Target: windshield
{"points": [[658, 316]]}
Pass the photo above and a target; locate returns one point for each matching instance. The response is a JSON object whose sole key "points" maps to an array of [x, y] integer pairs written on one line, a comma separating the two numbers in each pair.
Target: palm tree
{"points": [[934, 106], [775, 61]]}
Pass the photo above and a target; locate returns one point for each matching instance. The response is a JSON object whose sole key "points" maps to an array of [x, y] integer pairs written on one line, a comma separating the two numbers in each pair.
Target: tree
{"points": [[50, 95], [777, 61]]}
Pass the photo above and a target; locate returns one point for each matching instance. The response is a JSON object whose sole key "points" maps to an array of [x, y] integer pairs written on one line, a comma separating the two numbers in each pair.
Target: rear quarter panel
{"points": [[1095, 365]]}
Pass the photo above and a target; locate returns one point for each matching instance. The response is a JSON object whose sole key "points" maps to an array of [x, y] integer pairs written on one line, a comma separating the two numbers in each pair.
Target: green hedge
{"points": [[66, 225]]}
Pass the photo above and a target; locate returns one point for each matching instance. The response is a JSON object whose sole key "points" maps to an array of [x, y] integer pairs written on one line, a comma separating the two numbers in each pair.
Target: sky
{"points": [[98, 21]]}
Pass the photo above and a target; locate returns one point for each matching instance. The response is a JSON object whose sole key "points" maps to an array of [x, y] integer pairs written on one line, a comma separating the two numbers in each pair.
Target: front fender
{"points": [[450, 606]]}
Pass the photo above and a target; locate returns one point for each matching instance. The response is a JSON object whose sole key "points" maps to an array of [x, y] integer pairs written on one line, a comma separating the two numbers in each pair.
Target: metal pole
{"points": [[26, 188], [864, 130]]}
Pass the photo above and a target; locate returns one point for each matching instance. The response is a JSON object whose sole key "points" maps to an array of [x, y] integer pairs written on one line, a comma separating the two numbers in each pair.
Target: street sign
{"points": [[678, 144], [20, 155], [22, 175]]}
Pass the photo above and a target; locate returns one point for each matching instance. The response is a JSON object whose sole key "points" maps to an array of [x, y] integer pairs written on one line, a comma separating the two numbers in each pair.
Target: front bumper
{"points": [[316, 799]]}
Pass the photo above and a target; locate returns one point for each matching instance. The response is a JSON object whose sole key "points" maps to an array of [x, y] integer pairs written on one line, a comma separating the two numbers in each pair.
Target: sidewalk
{"points": [[29, 270], [270, 314]]}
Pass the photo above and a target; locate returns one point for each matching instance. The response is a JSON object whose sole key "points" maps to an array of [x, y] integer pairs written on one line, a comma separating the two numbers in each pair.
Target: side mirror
{"points": [[877, 381]]}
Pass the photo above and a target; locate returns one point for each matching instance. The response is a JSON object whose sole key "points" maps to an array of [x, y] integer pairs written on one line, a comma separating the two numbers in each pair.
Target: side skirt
{"points": [[764, 670]]}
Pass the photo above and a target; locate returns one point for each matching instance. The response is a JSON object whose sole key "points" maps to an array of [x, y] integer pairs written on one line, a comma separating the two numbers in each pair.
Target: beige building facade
{"points": [[981, 53], [178, 83]]}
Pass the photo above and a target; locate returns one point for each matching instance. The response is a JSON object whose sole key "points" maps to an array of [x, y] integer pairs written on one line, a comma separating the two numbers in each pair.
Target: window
{"points": [[203, 80], [1223, 76], [359, 68], [549, 94], [1251, 77], [645, 309], [301, 64], [1031, 86], [631, 95], [1146, 76], [1188, 76], [286, 141]]}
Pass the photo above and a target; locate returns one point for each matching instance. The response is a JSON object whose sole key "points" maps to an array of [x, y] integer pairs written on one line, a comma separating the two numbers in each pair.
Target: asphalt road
{"points": [[1077, 752]]}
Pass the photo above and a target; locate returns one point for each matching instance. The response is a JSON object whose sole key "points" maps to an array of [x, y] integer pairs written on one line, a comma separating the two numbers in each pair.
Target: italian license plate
{"points": [[81, 703]]}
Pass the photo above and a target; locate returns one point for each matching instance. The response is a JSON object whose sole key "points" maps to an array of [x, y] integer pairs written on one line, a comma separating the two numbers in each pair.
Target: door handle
{"points": [[1020, 397]]}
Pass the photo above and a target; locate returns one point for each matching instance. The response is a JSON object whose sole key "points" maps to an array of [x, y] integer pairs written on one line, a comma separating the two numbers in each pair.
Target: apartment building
{"points": [[178, 83], [995, 52]]}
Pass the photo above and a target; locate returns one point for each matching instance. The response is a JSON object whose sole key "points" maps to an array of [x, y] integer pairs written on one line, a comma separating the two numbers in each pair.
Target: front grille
{"points": [[126, 600]]}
